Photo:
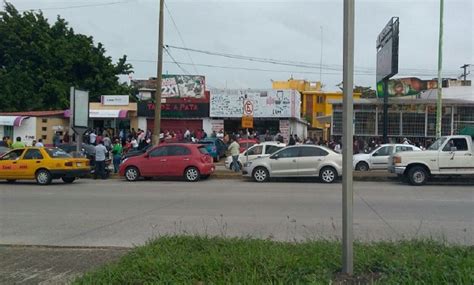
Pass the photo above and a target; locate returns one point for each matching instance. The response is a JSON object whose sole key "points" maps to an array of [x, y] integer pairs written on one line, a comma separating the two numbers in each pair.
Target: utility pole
{"points": [[465, 73], [347, 131], [321, 59], [439, 102], [157, 126]]}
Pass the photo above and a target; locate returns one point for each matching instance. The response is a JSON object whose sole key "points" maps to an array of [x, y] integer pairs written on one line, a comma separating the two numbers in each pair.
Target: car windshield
{"points": [[437, 144], [57, 153]]}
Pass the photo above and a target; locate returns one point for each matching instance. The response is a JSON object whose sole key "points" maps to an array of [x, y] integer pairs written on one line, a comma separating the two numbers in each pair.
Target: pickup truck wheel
{"points": [[362, 166], [417, 176]]}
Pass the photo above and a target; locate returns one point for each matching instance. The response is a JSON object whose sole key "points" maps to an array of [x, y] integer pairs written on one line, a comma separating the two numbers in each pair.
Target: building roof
{"points": [[55, 113]]}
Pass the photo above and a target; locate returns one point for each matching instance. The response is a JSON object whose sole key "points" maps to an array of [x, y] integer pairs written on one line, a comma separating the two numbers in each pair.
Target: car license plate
{"points": [[79, 164]]}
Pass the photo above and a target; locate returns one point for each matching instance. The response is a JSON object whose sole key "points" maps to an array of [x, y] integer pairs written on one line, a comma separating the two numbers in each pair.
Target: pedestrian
{"points": [[100, 154], [4, 142], [66, 137], [117, 154], [134, 143], [337, 147], [18, 143], [187, 135], [234, 149], [292, 140], [92, 137], [56, 139], [406, 141], [40, 143], [107, 142], [33, 143]]}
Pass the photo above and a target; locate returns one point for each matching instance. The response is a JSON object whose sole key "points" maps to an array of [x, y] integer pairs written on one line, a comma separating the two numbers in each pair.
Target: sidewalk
{"points": [[51, 265]]}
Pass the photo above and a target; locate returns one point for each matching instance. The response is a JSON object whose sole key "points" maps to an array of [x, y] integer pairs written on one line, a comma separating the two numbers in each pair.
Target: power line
{"points": [[181, 37], [255, 69], [309, 65], [77, 6], [175, 62]]}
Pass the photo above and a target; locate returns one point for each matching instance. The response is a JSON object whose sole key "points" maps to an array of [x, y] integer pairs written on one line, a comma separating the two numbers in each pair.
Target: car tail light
{"points": [[397, 159], [69, 163]]}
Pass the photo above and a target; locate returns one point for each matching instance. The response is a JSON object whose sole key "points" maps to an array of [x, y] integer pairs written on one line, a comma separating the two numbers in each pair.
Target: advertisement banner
{"points": [[182, 86], [405, 87], [115, 100], [261, 104], [174, 110]]}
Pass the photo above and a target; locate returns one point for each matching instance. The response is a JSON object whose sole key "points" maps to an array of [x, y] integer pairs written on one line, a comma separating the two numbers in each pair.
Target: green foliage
{"points": [[39, 62], [204, 260]]}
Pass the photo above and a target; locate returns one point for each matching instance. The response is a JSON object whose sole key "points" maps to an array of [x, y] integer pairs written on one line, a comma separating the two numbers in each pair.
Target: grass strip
{"points": [[214, 260]]}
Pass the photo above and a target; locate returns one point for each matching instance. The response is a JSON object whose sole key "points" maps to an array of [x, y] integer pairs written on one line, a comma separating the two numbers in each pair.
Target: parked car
{"points": [[297, 161], [191, 161], [215, 146], [449, 155], [379, 157], [42, 164], [246, 143], [256, 151], [4, 149]]}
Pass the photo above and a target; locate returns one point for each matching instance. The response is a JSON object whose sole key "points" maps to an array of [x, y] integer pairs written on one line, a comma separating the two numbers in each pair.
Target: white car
{"points": [[256, 151], [379, 158], [297, 161]]}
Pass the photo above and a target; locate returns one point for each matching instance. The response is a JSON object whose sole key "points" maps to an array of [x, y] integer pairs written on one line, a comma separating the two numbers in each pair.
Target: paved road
{"points": [[118, 213]]}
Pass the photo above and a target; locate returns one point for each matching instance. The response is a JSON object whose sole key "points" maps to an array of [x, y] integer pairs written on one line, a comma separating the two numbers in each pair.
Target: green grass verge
{"points": [[201, 260]]}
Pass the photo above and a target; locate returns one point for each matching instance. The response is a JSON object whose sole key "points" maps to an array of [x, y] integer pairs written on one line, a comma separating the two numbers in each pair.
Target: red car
{"points": [[246, 143], [191, 161]]}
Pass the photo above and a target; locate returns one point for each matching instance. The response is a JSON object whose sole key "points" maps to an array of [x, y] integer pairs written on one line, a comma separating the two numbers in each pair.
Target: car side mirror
{"points": [[147, 155], [375, 154], [274, 156]]}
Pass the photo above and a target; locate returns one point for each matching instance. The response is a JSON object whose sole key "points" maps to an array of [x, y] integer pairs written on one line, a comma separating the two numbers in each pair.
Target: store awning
{"points": [[11, 120], [108, 113]]}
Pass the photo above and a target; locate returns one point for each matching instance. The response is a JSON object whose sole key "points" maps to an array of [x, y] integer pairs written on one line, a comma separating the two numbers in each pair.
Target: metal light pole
{"points": [[157, 126], [439, 102], [347, 130]]}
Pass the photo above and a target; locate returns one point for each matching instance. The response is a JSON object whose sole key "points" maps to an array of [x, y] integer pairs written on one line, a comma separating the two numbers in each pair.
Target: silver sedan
{"points": [[297, 161]]}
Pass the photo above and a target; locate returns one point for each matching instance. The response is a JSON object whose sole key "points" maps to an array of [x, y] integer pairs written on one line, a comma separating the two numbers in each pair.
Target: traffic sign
{"points": [[248, 108], [247, 122]]}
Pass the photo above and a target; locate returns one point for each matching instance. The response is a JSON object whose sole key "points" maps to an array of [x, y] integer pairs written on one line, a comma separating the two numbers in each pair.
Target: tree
{"points": [[366, 92], [39, 62]]}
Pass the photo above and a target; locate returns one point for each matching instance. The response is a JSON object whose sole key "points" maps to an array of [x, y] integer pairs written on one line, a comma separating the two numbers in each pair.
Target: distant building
{"points": [[316, 106]]}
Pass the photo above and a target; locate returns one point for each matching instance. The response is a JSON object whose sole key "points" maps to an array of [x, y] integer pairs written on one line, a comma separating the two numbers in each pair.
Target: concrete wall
{"points": [[47, 126], [27, 131], [141, 123]]}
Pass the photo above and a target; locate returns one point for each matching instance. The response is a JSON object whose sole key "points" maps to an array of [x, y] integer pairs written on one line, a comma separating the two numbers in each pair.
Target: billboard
{"points": [[405, 87], [182, 86], [261, 104], [387, 50], [81, 109]]}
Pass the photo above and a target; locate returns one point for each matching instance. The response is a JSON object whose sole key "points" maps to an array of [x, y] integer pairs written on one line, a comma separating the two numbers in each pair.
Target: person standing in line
{"points": [[292, 140], [4, 142], [18, 143], [117, 154], [107, 142], [92, 137], [100, 154], [40, 143], [56, 139], [234, 149]]}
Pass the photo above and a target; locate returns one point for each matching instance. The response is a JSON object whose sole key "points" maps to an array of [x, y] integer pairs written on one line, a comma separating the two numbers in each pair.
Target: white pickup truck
{"points": [[448, 156]]}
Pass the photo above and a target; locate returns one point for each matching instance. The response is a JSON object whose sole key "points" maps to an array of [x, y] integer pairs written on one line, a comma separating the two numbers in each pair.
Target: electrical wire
{"points": [[77, 6], [257, 69], [309, 65], [180, 36], [175, 62]]}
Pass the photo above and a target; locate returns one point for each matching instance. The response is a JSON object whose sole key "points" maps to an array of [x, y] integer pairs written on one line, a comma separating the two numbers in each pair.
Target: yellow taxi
{"points": [[42, 164]]}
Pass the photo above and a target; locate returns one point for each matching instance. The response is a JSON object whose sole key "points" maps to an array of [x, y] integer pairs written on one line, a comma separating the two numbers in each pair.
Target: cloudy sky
{"points": [[295, 31]]}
